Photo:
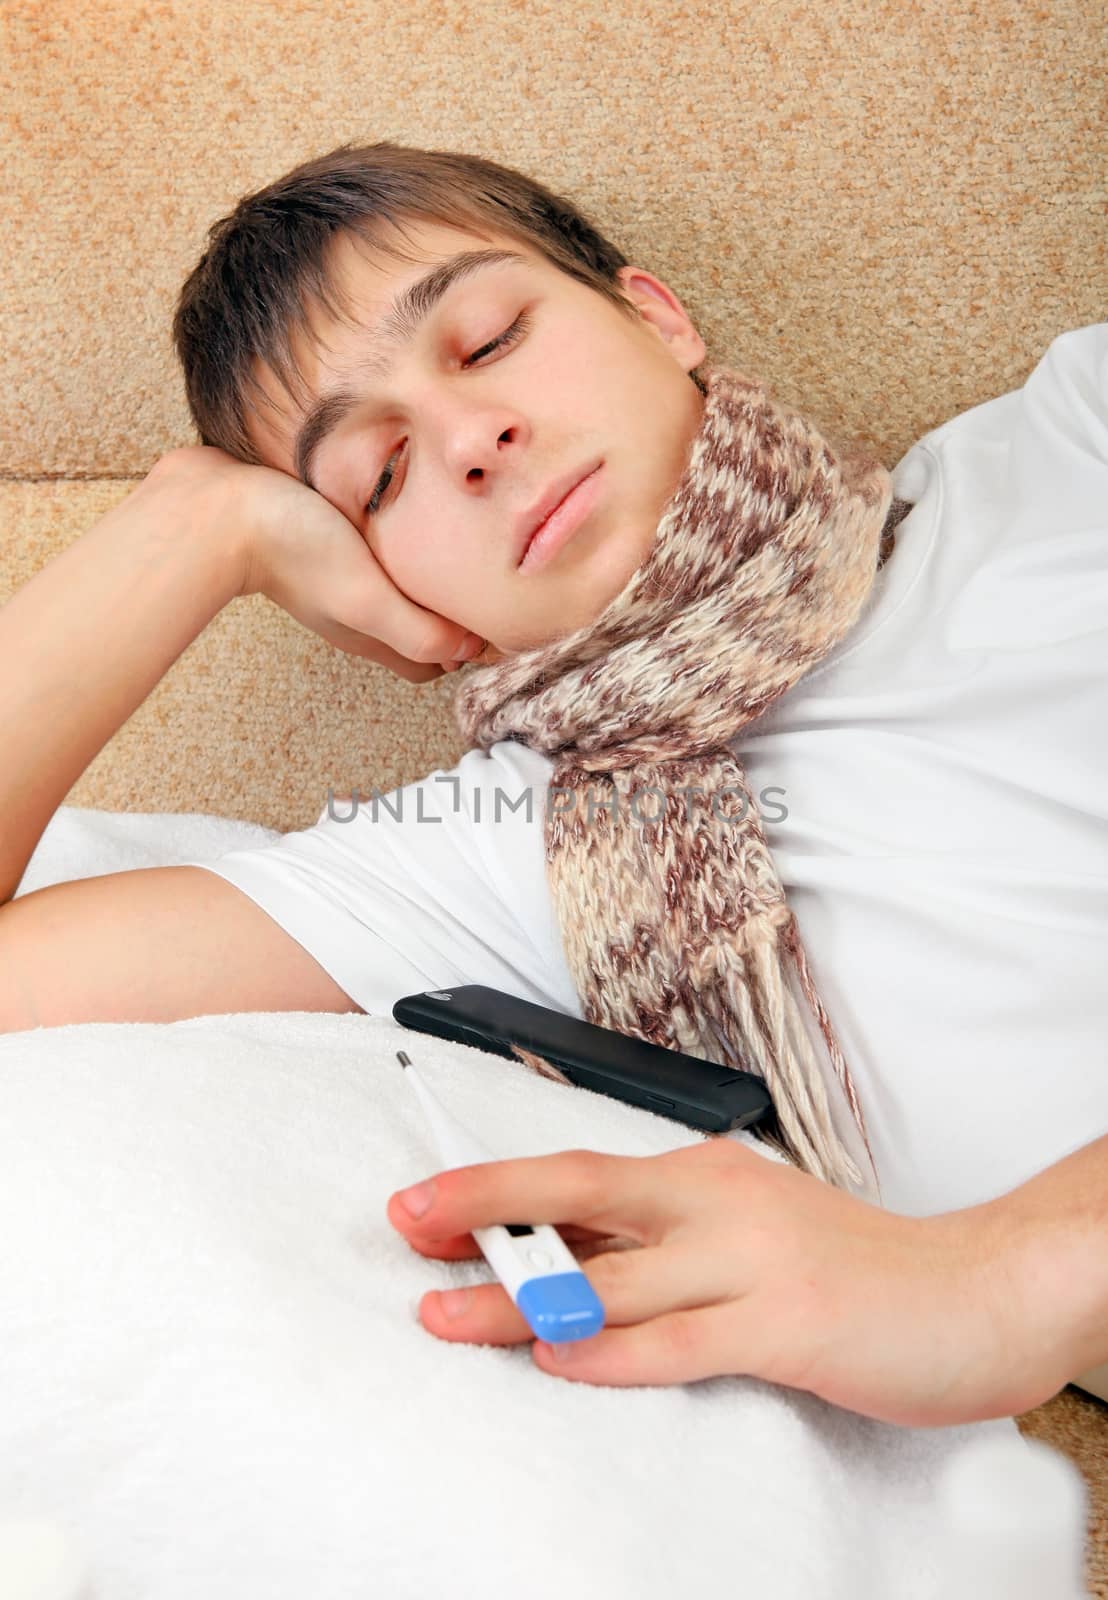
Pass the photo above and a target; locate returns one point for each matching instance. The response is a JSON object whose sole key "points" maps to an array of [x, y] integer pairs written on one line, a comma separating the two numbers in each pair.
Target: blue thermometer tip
{"points": [[561, 1307]]}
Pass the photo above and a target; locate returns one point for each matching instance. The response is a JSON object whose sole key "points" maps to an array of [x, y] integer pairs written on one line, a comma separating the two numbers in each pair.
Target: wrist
{"points": [[183, 505], [1048, 1290]]}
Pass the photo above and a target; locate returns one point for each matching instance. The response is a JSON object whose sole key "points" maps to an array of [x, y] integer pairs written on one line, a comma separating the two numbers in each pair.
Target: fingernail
{"points": [[454, 1302], [560, 1352], [471, 646], [417, 1199]]}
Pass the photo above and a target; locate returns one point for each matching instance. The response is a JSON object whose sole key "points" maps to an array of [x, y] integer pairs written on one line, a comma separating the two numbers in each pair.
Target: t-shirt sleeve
{"points": [[435, 883], [1059, 446], [1051, 432]]}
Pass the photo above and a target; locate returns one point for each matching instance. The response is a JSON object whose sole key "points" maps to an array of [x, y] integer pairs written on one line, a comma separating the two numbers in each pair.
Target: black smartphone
{"points": [[698, 1093]]}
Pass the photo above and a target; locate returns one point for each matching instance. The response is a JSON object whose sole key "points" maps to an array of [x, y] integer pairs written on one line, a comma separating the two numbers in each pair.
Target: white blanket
{"points": [[212, 1378]]}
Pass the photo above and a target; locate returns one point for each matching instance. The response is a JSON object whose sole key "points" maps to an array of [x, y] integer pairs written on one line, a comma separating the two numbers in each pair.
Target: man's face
{"points": [[473, 445]]}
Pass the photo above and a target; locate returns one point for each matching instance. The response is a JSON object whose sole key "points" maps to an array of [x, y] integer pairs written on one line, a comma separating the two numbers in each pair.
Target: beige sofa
{"points": [[887, 211]]}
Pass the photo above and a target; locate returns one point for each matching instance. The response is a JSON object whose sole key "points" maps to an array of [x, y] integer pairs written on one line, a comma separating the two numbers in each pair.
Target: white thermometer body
{"points": [[533, 1262]]}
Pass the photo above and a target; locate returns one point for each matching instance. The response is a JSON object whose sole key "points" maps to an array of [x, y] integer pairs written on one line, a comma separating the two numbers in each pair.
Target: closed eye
{"points": [[510, 336]]}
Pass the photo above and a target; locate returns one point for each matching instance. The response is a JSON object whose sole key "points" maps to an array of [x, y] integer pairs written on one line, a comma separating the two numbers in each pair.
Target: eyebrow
{"points": [[396, 329]]}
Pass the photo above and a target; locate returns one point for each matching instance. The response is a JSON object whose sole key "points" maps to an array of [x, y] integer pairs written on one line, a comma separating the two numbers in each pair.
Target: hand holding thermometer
{"points": [[534, 1264]]}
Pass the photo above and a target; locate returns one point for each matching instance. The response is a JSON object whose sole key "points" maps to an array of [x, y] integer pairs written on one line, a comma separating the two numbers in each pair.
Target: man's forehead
{"points": [[376, 291], [366, 279], [331, 351]]}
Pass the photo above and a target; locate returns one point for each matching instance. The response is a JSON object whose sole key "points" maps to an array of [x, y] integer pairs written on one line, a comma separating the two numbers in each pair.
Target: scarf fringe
{"points": [[760, 1030], [795, 948], [540, 1065], [784, 1061], [760, 1014]]}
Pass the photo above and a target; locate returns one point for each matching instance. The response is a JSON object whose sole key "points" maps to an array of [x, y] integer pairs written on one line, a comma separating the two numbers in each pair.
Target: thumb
{"points": [[353, 643]]}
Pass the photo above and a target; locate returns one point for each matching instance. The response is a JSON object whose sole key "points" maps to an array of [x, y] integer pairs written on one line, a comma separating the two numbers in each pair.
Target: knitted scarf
{"points": [[672, 915]]}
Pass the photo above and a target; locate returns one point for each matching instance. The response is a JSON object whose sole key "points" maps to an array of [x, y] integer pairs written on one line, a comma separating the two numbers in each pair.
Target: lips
{"points": [[531, 521]]}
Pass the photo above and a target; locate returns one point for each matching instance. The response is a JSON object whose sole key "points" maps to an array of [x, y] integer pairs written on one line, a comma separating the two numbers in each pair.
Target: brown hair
{"points": [[249, 291]]}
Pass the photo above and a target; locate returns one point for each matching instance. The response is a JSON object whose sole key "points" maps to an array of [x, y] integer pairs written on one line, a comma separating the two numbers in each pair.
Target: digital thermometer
{"points": [[534, 1263]]}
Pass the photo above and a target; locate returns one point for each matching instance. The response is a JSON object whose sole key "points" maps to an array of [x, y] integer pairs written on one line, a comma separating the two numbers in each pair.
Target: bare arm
{"points": [[1053, 1248], [85, 641], [81, 646]]}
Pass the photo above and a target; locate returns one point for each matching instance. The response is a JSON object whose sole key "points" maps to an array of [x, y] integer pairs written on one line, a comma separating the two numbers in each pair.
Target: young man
{"points": [[933, 786], [492, 439], [903, 780]]}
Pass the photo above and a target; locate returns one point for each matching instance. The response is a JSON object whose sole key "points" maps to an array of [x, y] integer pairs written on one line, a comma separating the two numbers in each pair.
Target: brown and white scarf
{"points": [[673, 918]]}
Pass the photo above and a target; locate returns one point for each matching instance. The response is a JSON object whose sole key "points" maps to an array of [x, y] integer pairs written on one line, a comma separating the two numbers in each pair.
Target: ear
{"points": [[658, 306]]}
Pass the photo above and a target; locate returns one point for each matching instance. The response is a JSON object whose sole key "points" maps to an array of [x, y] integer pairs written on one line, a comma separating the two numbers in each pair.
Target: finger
{"points": [[464, 1247], [430, 1235], [488, 1316], [646, 1286], [482, 1313], [412, 631], [724, 1340], [614, 1194], [414, 668], [353, 643]]}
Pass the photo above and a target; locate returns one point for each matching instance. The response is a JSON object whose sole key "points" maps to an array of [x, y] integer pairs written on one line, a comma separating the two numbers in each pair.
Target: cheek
{"points": [[427, 568], [401, 550]]}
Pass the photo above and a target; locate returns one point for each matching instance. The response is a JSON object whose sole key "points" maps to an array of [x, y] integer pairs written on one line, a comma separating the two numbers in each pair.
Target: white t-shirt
{"points": [[934, 792]]}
